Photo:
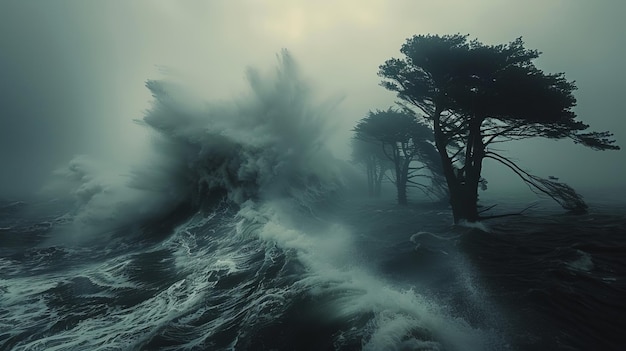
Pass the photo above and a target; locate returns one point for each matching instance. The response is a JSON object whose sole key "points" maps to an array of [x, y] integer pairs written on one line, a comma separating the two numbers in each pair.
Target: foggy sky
{"points": [[72, 73]]}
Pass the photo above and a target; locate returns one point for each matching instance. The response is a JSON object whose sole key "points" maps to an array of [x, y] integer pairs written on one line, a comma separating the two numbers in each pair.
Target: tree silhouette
{"points": [[402, 139], [371, 155], [477, 95]]}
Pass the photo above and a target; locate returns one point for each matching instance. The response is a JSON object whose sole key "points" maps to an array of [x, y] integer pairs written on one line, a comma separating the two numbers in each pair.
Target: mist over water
{"points": [[226, 217], [231, 233], [269, 142], [237, 227]]}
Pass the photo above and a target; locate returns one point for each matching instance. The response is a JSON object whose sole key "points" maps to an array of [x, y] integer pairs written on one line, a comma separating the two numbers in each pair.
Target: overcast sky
{"points": [[72, 73]]}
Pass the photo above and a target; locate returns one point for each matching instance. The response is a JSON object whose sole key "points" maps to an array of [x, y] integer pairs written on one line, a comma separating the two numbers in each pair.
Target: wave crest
{"points": [[270, 142]]}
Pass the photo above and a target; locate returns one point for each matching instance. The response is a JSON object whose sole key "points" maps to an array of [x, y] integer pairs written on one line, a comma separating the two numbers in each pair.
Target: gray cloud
{"points": [[72, 73]]}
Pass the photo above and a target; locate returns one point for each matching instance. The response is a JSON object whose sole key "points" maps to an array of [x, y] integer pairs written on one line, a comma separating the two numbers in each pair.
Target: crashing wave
{"points": [[268, 143]]}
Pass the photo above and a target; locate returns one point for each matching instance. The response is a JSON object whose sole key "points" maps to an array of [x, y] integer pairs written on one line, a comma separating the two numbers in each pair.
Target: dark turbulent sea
{"points": [[239, 230], [351, 275]]}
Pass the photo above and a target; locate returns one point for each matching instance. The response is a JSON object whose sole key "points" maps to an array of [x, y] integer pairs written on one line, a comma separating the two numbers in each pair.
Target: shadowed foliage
{"points": [[476, 95], [400, 138], [371, 155]]}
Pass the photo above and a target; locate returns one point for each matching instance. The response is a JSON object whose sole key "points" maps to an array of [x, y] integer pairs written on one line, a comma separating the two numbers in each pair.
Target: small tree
{"points": [[427, 155], [402, 140], [371, 155], [476, 95]]}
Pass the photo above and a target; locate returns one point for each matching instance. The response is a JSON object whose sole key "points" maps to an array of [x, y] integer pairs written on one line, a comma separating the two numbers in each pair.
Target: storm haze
{"points": [[231, 175], [73, 73]]}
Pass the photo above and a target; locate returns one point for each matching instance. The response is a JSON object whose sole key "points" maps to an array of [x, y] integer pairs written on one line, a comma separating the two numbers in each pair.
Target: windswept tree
{"points": [[477, 95], [402, 139], [371, 155]]}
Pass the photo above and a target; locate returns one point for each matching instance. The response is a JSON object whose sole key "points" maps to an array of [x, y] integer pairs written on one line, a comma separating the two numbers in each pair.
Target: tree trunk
{"points": [[401, 189], [401, 182], [465, 200], [454, 187], [462, 185], [370, 178], [402, 178], [379, 181], [464, 203]]}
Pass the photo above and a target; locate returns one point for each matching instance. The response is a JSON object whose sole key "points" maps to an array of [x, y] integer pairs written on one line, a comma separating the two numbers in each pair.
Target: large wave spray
{"points": [[269, 142], [256, 261]]}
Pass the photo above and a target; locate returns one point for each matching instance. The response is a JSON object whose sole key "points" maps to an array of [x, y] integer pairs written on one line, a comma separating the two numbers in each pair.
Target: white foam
{"points": [[269, 142], [584, 263], [474, 225], [268, 145], [400, 314], [106, 199]]}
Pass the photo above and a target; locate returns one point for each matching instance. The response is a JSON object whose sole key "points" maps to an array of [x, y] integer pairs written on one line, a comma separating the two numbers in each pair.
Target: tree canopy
{"points": [[475, 95], [402, 139], [371, 155]]}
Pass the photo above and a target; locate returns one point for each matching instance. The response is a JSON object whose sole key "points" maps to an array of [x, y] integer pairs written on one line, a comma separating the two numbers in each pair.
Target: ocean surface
{"points": [[239, 230], [354, 274]]}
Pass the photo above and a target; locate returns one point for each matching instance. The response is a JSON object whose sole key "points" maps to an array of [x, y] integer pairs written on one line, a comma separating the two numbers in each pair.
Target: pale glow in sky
{"points": [[86, 64]]}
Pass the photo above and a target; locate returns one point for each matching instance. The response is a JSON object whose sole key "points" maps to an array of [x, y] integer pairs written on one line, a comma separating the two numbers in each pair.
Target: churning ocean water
{"points": [[356, 275], [242, 232]]}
